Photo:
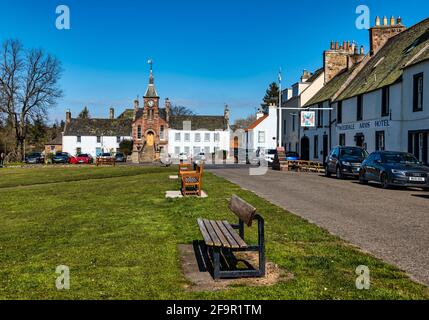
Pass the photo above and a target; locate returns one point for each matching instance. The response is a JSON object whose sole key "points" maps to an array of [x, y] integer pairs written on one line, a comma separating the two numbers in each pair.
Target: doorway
{"points": [[150, 139], [360, 140], [325, 148], [305, 148]]}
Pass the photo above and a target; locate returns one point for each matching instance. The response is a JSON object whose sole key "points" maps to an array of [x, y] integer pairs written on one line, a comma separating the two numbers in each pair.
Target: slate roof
{"points": [[386, 67], [99, 127], [55, 142], [331, 88], [211, 123]]}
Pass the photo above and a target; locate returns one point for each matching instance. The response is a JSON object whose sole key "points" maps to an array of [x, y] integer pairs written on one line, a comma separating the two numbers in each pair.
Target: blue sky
{"points": [[206, 52]]}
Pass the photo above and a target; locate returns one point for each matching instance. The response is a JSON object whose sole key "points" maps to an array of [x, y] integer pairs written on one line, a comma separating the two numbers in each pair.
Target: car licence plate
{"points": [[417, 179]]}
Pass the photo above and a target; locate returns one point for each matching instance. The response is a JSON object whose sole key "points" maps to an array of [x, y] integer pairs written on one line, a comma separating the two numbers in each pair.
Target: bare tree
{"points": [[244, 123], [181, 111], [28, 87]]}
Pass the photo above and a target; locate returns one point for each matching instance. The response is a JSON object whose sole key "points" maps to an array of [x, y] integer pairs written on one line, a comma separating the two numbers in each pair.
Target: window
{"points": [[359, 111], [139, 132], [261, 136], [284, 126], [207, 151], [118, 139], [297, 147], [52, 148], [320, 116], [98, 139], [316, 147], [176, 150], [379, 141], [197, 150], [177, 136], [340, 112], [79, 139], [161, 133], [207, 137], [385, 102], [342, 139], [198, 137], [187, 137], [78, 151], [289, 147], [187, 150], [216, 137], [418, 93]]}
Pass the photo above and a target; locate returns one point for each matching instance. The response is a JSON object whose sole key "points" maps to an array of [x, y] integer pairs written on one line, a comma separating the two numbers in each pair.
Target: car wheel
{"points": [[362, 179], [327, 173], [384, 181], [425, 189], [339, 175]]}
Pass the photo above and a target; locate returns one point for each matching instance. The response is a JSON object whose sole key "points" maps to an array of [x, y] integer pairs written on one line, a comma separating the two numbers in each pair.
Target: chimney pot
{"points": [[111, 113], [392, 21], [68, 116], [385, 21], [362, 50], [399, 20], [336, 45], [332, 45], [377, 21]]}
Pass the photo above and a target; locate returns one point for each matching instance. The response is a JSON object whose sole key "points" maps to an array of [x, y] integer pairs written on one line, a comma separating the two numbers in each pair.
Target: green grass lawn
{"points": [[119, 236]]}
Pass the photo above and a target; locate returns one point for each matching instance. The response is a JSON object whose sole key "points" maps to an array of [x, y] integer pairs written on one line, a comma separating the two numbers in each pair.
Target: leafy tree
{"points": [[126, 147], [181, 111], [271, 96], [38, 133], [29, 86], [84, 114]]}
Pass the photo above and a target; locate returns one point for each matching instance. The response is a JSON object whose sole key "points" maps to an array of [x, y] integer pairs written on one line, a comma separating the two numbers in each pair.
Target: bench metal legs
{"points": [[216, 263]]}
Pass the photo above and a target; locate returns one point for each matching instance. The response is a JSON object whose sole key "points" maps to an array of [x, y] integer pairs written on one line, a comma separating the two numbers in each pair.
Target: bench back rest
{"points": [[242, 209]]}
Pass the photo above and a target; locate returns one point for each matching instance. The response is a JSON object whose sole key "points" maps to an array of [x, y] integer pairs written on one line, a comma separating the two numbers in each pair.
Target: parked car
{"points": [[82, 159], [292, 156], [345, 161], [394, 169], [105, 155], [35, 157], [61, 157], [120, 157]]}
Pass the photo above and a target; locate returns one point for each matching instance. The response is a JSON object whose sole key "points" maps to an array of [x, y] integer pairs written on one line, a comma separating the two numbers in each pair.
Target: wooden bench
{"points": [[220, 237], [184, 167], [192, 181], [105, 161]]}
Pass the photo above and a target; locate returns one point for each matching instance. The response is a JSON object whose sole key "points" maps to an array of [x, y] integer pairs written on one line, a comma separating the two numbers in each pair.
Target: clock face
{"points": [[150, 103]]}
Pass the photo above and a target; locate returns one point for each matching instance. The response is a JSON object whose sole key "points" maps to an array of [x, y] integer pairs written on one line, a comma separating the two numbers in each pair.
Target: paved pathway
{"points": [[391, 224]]}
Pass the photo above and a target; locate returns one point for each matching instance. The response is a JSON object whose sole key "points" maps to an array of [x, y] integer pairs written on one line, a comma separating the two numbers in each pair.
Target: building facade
{"points": [[155, 131], [262, 134]]}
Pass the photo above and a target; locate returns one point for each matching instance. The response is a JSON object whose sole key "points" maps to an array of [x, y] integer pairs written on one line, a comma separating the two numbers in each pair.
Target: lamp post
{"points": [[279, 138]]}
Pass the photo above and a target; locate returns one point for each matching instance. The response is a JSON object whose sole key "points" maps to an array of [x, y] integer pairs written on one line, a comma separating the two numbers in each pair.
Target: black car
{"points": [[61, 157], [345, 161], [394, 169], [35, 157], [120, 157]]}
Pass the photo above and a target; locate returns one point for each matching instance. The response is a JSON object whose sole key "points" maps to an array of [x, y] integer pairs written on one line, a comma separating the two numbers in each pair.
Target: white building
{"points": [[262, 134], [293, 99], [95, 136], [378, 103]]}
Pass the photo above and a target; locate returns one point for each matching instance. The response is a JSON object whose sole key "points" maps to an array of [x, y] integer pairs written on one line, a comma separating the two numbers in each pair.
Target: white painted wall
{"points": [[89, 144], [182, 145], [269, 128]]}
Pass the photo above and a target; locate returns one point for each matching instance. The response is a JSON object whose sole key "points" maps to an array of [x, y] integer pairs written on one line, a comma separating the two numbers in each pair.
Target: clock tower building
{"points": [[150, 125]]}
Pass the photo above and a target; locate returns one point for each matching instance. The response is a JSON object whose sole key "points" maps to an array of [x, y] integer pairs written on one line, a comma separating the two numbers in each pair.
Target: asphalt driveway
{"points": [[391, 224]]}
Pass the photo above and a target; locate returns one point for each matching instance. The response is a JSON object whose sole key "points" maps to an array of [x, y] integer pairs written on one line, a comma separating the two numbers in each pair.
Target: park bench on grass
{"points": [[105, 161], [220, 238], [192, 181], [184, 167]]}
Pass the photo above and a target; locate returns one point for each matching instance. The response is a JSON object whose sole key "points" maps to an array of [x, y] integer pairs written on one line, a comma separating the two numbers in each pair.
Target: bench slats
{"points": [[227, 235], [215, 239], [242, 209], [220, 234], [233, 233], [207, 239]]}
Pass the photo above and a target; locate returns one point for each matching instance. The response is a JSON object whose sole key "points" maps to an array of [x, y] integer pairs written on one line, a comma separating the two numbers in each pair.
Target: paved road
{"points": [[391, 224]]}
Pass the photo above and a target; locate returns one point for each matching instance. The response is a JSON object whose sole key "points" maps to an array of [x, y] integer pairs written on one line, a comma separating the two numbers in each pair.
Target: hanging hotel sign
{"points": [[308, 119], [364, 125]]}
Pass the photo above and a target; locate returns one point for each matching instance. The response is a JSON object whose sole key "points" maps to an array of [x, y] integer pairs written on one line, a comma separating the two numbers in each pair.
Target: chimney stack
{"points": [[167, 110], [68, 116], [136, 109], [380, 34], [111, 113], [227, 114]]}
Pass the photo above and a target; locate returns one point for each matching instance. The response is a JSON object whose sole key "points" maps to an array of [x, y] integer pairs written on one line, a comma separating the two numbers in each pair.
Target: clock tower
{"points": [[149, 126]]}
